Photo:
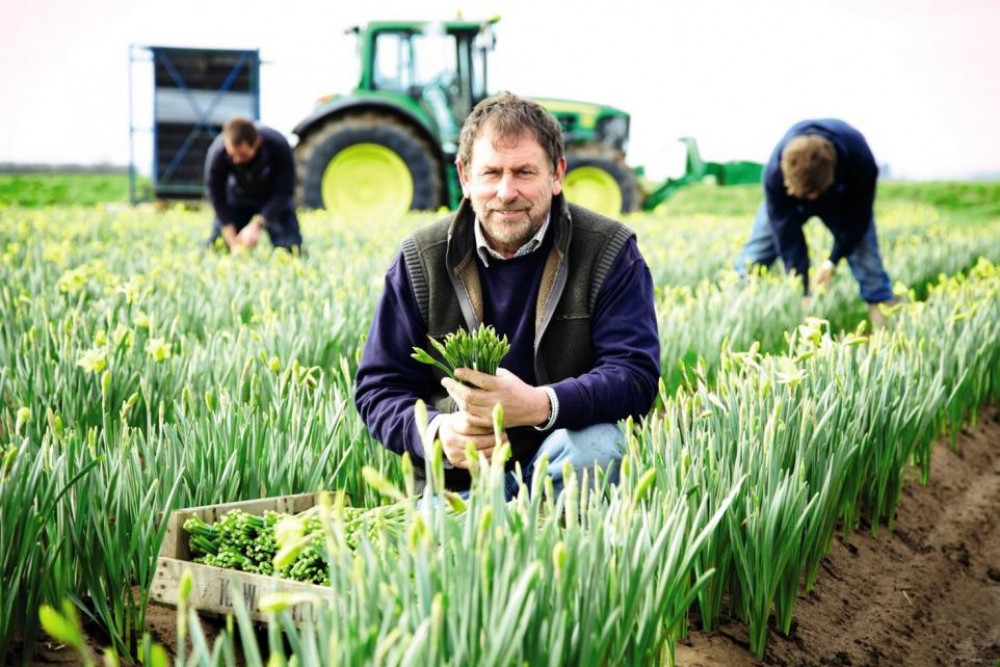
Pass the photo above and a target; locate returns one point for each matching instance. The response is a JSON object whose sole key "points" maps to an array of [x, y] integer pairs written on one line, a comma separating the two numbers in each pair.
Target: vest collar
{"points": [[460, 258]]}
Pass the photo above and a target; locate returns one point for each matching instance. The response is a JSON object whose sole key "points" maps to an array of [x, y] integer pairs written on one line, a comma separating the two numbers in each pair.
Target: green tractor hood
{"points": [[588, 123]]}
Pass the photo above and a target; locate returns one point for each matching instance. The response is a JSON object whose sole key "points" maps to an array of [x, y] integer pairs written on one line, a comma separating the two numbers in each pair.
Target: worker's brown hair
{"points": [[511, 116], [808, 163], [239, 130]]}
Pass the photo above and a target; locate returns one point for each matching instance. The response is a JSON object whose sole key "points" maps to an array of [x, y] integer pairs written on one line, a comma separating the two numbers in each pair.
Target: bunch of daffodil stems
{"points": [[481, 350]]}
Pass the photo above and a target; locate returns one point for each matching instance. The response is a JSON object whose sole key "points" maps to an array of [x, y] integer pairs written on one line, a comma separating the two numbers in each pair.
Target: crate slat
{"points": [[215, 589]]}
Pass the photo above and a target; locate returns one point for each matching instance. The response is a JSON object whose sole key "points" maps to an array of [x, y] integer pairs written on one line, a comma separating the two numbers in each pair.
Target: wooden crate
{"points": [[213, 589]]}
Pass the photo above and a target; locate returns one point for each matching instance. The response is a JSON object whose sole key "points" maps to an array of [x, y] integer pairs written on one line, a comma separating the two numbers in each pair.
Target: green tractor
{"points": [[390, 145]]}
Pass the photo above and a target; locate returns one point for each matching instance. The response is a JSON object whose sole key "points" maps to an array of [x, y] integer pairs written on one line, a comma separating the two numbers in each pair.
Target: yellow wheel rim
{"points": [[367, 182], [594, 188]]}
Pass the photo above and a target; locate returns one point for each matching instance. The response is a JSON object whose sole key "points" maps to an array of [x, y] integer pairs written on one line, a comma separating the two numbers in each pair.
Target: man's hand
{"points": [[523, 405], [824, 275], [457, 429], [230, 237], [250, 235]]}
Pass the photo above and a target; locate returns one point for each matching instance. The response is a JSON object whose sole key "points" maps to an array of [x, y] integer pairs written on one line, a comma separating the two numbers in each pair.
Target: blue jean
{"points": [[601, 445], [865, 261]]}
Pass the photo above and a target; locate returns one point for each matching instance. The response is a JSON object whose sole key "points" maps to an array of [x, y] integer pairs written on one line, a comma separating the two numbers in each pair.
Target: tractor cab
{"points": [[441, 66]]}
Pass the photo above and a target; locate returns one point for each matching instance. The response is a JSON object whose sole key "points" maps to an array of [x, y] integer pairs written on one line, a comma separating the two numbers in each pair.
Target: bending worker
{"points": [[250, 177], [821, 168]]}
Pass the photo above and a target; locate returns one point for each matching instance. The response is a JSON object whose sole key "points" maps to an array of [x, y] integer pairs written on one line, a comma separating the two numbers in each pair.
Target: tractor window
{"points": [[434, 61], [463, 100], [482, 45], [393, 65], [479, 92], [439, 79]]}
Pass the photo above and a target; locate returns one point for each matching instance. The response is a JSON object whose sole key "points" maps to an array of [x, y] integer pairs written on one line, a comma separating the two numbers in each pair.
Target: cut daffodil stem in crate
{"points": [[216, 589]]}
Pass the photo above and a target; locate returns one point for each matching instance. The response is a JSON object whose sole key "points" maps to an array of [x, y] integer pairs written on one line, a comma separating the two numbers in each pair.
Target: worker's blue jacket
{"points": [[845, 207]]}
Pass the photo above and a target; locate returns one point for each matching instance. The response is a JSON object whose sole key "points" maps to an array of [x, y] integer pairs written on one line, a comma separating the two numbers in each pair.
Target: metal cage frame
{"points": [[205, 109]]}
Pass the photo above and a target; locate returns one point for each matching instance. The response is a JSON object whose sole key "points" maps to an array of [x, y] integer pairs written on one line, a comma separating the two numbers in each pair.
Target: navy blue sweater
{"points": [[845, 207], [267, 180], [626, 347]]}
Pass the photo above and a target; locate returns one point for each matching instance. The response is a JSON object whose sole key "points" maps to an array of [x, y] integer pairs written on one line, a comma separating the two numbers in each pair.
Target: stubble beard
{"points": [[509, 235]]}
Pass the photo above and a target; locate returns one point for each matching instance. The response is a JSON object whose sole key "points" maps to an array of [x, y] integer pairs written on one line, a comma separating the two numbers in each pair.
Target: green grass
{"points": [[733, 200], [980, 199], [971, 198], [46, 189]]}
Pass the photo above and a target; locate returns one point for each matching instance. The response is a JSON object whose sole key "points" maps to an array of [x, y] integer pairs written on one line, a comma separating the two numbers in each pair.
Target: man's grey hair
{"points": [[510, 117]]}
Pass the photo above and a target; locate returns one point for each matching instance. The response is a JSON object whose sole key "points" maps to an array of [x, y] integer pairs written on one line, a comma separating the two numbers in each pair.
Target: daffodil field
{"points": [[141, 374]]}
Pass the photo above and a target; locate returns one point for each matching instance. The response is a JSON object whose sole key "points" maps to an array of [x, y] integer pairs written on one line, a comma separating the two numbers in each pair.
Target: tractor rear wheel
{"points": [[601, 182], [368, 167]]}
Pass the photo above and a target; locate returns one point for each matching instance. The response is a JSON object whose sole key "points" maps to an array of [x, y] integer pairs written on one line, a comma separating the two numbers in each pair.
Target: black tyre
{"points": [[368, 167], [601, 182]]}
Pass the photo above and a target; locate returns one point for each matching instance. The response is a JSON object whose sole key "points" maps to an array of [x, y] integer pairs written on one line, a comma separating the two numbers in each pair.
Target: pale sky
{"points": [[919, 78]]}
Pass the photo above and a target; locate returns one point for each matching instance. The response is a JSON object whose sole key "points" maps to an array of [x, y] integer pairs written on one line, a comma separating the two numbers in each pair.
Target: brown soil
{"points": [[925, 594]]}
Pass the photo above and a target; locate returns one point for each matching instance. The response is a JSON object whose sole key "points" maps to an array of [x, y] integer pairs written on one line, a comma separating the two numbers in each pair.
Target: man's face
{"points": [[241, 152], [510, 183]]}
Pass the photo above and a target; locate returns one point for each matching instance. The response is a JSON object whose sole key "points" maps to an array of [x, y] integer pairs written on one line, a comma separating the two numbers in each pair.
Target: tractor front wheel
{"points": [[368, 167], [602, 183]]}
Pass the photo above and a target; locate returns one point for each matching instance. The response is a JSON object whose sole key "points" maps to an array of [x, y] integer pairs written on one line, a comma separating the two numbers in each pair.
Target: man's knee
{"points": [[599, 445], [285, 233]]}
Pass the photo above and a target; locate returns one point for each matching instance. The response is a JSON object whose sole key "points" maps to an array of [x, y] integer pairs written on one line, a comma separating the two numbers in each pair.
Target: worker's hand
{"points": [[250, 235], [824, 275], [523, 405], [456, 429], [230, 237]]}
